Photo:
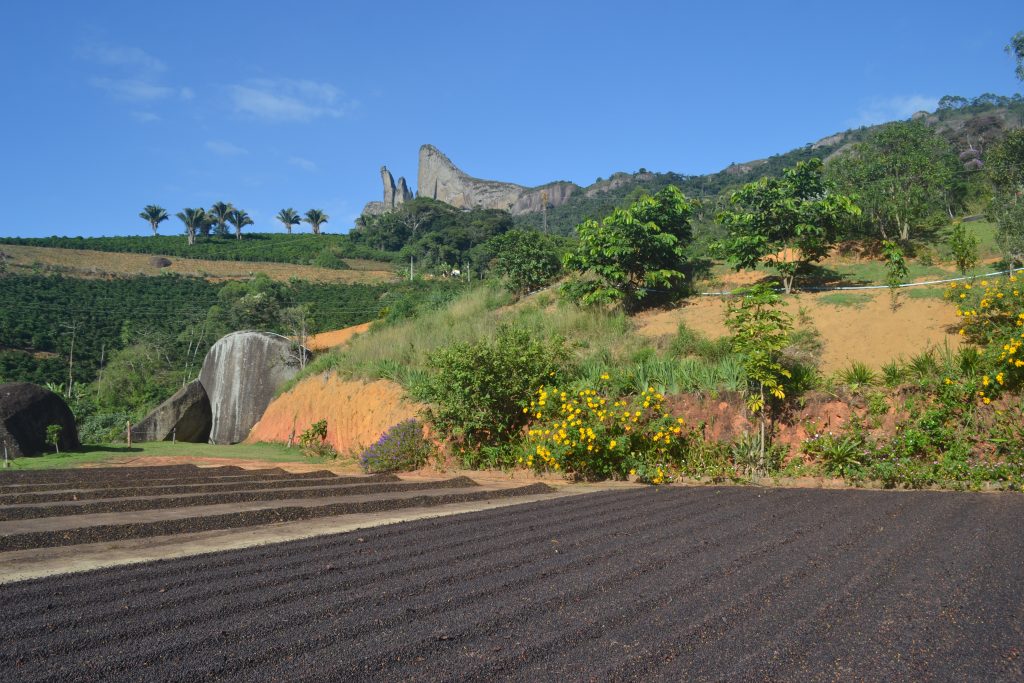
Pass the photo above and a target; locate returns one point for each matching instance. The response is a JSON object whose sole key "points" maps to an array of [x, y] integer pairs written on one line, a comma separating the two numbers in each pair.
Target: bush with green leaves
{"points": [[760, 334], [526, 260], [314, 441], [963, 245], [621, 258], [475, 390], [401, 448]]}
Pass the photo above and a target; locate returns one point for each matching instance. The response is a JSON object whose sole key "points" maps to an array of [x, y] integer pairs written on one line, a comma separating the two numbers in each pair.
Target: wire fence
{"points": [[848, 288]]}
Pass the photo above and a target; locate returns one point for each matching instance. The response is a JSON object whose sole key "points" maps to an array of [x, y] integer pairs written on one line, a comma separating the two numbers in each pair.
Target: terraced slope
{"points": [[70, 507], [652, 584]]}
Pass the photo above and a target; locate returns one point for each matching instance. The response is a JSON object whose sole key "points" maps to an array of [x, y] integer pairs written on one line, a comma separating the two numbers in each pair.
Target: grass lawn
{"points": [[96, 454], [845, 298]]}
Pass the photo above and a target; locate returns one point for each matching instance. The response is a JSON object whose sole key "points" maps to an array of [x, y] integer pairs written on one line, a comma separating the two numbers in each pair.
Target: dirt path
{"points": [[656, 584], [870, 332], [328, 340]]}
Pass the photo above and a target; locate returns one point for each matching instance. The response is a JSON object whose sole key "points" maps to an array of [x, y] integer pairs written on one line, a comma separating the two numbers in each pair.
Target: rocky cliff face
{"points": [[394, 195], [440, 179]]}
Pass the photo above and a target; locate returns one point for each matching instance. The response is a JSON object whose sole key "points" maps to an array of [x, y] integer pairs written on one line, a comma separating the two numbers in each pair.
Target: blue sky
{"points": [[110, 106]]}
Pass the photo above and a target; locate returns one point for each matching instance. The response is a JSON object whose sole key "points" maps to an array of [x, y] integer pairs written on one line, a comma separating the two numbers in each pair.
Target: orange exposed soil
{"points": [[357, 412], [870, 333], [328, 340]]}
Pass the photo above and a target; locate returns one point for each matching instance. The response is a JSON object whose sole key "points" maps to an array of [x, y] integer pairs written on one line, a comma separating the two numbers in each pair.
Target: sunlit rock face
{"points": [[241, 374]]}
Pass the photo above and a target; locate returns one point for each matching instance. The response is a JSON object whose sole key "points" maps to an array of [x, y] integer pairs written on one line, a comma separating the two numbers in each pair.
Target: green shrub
{"points": [[400, 448], [476, 389], [331, 257], [314, 441], [858, 376]]}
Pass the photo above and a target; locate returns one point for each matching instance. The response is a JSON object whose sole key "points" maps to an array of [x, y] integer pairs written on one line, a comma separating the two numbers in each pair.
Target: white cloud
{"points": [[304, 164], [145, 116], [895, 108], [289, 100], [225, 149], [131, 89], [113, 55]]}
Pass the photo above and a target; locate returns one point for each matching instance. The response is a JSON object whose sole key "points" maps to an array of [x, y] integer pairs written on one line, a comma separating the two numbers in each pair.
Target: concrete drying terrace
{"points": [[664, 584], [71, 520]]}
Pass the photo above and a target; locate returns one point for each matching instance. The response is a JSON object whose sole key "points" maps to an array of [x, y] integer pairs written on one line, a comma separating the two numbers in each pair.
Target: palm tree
{"points": [[194, 220], [154, 215], [239, 219], [219, 213], [288, 217], [315, 218]]}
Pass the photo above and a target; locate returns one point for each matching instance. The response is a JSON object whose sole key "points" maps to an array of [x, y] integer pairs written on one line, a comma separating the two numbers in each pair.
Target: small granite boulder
{"points": [[186, 416], [160, 261], [26, 410]]}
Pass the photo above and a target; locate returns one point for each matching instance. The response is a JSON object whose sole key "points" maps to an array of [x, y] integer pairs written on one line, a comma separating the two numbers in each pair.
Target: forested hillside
{"points": [[46, 319]]}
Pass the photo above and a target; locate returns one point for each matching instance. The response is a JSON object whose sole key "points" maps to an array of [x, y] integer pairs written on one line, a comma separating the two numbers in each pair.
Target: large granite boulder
{"points": [[26, 410], [186, 416], [241, 374]]}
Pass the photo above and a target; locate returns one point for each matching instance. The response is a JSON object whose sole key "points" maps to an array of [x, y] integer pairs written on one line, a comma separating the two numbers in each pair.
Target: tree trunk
{"points": [[787, 283], [760, 462]]}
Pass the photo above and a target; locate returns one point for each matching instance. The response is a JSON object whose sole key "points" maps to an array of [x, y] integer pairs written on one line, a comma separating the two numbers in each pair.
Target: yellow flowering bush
{"points": [[592, 434], [992, 314]]}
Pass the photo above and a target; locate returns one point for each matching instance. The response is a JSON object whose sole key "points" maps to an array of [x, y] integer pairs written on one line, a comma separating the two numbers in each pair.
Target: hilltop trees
{"points": [[787, 222], [620, 258], [154, 215], [195, 220], [1016, 50], [904, 175], [288, 218], [1004, 165], [316, 218], [526, 259], [218, 214], [239, 219]]}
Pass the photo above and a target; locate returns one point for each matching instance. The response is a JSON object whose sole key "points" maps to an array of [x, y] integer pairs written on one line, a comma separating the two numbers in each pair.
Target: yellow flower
{"points": [[611, 444]]}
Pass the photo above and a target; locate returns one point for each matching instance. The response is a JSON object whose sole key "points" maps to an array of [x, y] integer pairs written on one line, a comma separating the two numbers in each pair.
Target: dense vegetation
{"points": [[117, 347], [270, 247]]}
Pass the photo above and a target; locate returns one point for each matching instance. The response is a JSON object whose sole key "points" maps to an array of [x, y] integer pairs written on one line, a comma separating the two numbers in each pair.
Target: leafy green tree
{"points": [[760, 333], [904, 175], [219, 215], [896, 270], [154, 215], [239, 219], [632, 250], [138, 376], [964, 247], [195, 220], [1004, 166], [787, 222], [1016, 50], [316, 218], [289, 218], [255, 304], [53, 436], [527, 260]]}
